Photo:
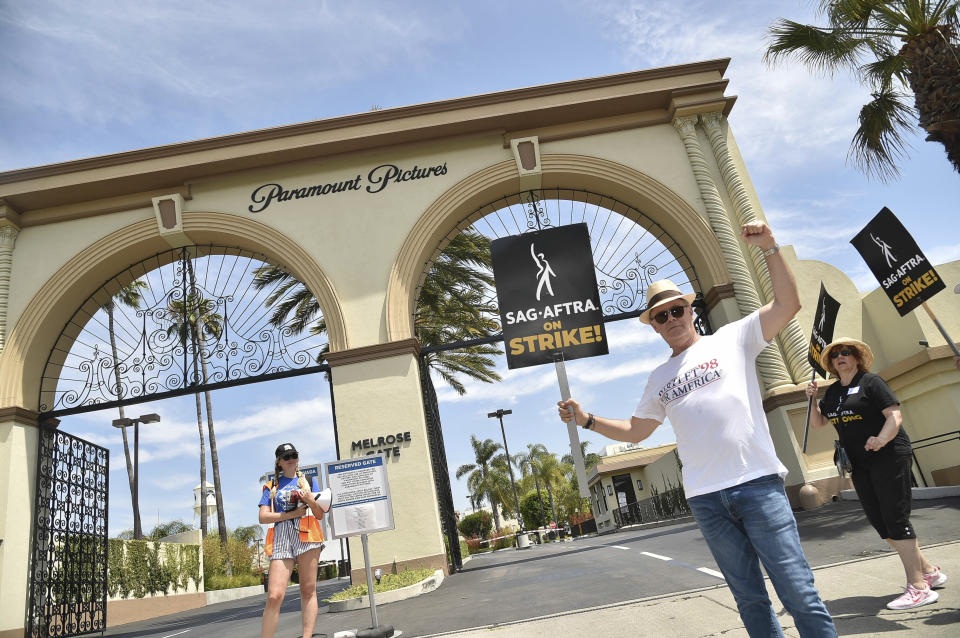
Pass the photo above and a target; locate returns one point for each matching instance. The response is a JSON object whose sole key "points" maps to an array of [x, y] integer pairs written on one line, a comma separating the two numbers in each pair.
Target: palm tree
{"points": [[454, 305], [896, 47], [552, 472], [590, 459], [128, 296], [525, 463], [195, 319], [482, 480]]}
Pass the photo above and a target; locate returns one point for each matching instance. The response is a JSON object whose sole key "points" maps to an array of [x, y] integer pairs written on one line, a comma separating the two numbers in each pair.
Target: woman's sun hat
{"points": [[864, 354], [661, 292]]}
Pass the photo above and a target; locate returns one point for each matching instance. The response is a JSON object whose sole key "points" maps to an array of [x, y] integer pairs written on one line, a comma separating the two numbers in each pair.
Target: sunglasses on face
{"points": [[676, 312], [846, 352], [290, 457]]}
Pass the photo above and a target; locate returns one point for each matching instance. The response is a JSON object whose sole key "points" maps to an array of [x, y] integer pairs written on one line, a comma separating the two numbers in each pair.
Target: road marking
{"points": [[177, 634], [657, 556], [229, 617], [619, 547], [711, 572]]}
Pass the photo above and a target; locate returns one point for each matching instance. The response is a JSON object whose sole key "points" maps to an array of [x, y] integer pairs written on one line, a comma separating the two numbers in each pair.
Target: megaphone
{"points": [[323, 499]]}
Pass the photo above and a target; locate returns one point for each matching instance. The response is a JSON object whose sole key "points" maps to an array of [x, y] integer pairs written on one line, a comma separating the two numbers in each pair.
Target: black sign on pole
{"points": [[824, 322], [547, 290], [904, 273]]}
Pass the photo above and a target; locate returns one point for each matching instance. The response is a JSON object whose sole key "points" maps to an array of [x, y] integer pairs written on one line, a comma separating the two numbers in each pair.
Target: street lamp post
{"points": [[123, 423], [499, 414]]}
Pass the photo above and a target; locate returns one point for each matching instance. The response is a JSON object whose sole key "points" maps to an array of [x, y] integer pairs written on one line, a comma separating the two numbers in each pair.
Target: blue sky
{"points": [[97, 77]]}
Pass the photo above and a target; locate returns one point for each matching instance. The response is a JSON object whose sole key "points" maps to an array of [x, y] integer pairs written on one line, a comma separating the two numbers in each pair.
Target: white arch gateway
{"points": [[355, 206]]}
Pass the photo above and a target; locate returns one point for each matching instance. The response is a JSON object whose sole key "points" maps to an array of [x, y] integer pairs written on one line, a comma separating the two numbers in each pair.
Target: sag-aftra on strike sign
{"points": [[893, 256], [547, 290]]}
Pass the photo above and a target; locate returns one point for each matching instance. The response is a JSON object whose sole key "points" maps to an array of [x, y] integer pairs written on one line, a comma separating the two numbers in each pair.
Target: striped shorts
{"points": [[286, 541]]}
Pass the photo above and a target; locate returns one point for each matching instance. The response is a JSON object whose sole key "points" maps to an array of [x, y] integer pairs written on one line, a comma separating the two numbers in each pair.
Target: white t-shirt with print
{"points": [[711, 394]]}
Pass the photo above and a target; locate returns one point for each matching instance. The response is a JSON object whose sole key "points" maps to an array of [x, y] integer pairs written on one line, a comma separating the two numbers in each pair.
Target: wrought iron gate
{"points": [[68, 570]]}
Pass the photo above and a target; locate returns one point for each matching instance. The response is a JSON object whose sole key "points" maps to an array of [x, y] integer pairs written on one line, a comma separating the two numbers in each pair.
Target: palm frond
{"points": [[825, 50], [879, 141]]}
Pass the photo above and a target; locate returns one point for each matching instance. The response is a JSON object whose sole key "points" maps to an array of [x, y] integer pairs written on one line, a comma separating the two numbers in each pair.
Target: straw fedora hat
{"points": [[661, 292], [864, 354]]}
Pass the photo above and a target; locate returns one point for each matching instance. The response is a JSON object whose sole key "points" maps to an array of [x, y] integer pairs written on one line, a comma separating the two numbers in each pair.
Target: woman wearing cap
{"points": [[288, 504], [866, 414]]}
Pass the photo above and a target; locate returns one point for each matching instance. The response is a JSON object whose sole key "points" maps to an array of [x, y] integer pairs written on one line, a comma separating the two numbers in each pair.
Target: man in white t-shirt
{"points": [[732, 477]]}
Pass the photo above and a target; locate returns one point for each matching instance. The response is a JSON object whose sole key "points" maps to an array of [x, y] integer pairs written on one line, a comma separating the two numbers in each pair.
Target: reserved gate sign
{"points": [[905, 274], [547, 291]]}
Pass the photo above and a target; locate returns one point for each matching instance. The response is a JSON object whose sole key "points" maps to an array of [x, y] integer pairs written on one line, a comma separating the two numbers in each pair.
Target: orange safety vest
{"points": [[309, 528]]}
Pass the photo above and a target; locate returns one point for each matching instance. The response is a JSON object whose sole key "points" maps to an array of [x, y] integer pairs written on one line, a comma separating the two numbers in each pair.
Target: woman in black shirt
{"points": [[866, 414]]}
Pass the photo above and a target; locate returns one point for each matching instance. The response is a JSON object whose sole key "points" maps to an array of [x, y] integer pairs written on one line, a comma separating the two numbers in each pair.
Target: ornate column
{"points": [[770, 362], [8, 238], [791, 338]]}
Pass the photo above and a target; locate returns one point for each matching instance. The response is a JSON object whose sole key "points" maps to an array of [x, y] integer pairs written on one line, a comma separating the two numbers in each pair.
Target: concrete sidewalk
{"points": [[856, 593]]}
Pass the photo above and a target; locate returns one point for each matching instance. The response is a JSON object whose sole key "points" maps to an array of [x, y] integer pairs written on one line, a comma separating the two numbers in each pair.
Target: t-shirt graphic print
{"points": [[711, 395]]}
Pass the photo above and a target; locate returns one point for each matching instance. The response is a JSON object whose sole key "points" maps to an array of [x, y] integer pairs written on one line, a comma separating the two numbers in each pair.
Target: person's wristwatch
{"points": [[589, 424], [772, 250]]}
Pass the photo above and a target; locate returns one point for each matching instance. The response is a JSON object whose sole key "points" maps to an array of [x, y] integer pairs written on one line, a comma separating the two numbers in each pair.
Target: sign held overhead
{"points": [[893, 256]]}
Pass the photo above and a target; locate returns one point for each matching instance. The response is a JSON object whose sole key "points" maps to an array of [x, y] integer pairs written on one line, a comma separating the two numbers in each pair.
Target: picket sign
{"points": [[550, 307], [903, 271]]}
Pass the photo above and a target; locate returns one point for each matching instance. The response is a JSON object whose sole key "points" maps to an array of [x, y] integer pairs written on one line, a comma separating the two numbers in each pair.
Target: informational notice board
{"points": [[361, 496]]}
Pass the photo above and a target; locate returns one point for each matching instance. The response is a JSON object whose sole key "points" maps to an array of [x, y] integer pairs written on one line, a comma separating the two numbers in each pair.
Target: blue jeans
{"points": [[752, 523]]}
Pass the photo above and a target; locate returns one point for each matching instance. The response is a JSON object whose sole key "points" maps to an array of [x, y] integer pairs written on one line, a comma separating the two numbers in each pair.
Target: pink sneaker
{"points": [[935, 578], [913, 597]]}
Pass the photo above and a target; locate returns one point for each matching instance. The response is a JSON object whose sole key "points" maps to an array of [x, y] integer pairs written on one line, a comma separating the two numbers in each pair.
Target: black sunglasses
{"points": [[847, 352], [676, 312], [288, 457]]}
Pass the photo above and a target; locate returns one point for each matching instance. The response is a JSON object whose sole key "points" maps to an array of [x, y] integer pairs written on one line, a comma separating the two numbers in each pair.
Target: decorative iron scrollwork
{"points": [[68, 579], [180, 321]]}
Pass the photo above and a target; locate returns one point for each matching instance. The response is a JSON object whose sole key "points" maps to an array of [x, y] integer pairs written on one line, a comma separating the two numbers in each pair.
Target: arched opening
{"points": [[630, 251], [184, 321]]}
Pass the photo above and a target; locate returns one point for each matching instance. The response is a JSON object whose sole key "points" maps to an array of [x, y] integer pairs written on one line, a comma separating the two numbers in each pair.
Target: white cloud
{"points": [[784, 115], [94, 63]]}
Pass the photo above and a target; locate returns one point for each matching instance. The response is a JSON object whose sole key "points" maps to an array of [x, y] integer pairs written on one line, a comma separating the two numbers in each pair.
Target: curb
{"points": [[916, 493], [215, 596], [423, 587]]}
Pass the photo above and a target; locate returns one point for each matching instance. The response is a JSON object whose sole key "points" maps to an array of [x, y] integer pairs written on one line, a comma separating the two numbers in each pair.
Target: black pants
{"points": [[884, 491]]}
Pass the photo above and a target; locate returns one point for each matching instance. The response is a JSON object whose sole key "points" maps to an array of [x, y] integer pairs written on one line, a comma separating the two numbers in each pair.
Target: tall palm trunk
{"points": [[203, 460], [553, 509], [214, 455], [935, 80], [536, 482], [493, 507], [134, 501]]}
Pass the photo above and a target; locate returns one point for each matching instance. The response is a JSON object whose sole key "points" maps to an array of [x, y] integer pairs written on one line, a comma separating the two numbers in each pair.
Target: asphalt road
{"points": [[513, 585]]}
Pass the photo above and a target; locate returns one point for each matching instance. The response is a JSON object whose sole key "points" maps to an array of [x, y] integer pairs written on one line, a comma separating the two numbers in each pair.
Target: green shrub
{"points": [[330, 571], [389, 582], [215, 557], [535, 509], [477, 524], [219, 581]]}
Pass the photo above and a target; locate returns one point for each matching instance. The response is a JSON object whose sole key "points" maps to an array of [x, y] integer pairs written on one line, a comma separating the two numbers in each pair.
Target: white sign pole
{"points": [[366, 563], [942, 330], [575, 450]]}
